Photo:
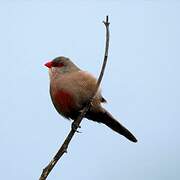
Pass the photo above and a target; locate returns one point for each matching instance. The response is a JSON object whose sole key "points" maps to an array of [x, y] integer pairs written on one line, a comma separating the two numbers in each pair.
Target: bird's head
{"points": [[61, 65]]}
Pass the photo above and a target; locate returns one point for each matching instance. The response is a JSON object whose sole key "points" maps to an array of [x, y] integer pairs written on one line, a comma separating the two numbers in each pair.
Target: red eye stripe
{"points": [[53, 64], [57, 64], [60, 65]]}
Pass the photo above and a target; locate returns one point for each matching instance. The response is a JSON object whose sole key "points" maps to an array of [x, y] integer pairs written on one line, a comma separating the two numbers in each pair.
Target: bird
{"points": [[70, 90]]}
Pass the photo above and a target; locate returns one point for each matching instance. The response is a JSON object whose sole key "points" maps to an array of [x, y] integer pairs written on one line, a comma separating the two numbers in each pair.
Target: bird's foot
{"points": [[74, 126]]}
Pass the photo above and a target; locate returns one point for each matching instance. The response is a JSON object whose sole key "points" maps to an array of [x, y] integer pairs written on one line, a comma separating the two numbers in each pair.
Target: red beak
{"points": [[48, 64]]}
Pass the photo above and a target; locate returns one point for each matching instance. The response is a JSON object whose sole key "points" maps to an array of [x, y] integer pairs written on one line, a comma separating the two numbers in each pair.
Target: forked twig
{"points": [[76, 123]]}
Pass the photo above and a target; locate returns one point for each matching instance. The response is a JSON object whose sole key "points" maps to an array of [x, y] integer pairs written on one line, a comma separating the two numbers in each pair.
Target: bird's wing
{"points": [[82, 85]]}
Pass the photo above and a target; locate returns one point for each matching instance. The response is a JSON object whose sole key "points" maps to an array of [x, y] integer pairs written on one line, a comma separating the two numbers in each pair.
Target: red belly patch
{"points": [[64, 102]]}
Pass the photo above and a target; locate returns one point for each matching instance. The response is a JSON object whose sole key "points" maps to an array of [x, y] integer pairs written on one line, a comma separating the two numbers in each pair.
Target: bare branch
{"points": [[76, 123]]}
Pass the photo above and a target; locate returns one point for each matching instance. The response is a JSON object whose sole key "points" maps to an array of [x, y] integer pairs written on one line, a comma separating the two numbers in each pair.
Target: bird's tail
{"points": [[106, 118]]}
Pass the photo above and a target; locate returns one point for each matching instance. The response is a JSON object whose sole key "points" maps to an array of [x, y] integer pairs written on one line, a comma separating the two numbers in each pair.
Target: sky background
{"points": [[141, 84]]}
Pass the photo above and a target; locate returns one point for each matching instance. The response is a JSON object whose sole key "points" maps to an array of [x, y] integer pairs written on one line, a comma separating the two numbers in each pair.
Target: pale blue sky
{"points": [[141, 85]]}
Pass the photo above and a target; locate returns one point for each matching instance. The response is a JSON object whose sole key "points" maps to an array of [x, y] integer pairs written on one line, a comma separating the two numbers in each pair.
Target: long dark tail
{"points": [[106, 118]]}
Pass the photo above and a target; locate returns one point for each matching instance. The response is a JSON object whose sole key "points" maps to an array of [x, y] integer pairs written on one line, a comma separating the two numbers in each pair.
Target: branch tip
{"points": [[106, 23]]}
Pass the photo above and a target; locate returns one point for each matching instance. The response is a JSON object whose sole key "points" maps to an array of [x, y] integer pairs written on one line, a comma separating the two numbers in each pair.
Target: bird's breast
{"points": [[63, 101]]}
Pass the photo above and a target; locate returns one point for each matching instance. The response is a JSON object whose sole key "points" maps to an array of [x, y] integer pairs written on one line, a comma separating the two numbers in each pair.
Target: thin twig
{"points": [[76, 123]]}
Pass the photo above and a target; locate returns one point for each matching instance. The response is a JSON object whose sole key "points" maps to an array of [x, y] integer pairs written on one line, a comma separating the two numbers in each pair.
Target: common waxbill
{"points": [[70, 90]]}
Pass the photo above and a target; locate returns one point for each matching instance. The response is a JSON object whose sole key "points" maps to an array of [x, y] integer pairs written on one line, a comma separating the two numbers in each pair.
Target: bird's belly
{"points": [[63, 102]]}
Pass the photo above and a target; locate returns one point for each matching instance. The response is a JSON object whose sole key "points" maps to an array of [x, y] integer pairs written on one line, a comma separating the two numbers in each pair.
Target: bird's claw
{"points": [[74, 126]]}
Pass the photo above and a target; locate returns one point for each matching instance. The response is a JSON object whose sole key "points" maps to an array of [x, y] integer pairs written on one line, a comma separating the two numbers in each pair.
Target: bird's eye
{"points": [[57, 64], [60, 64]]}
